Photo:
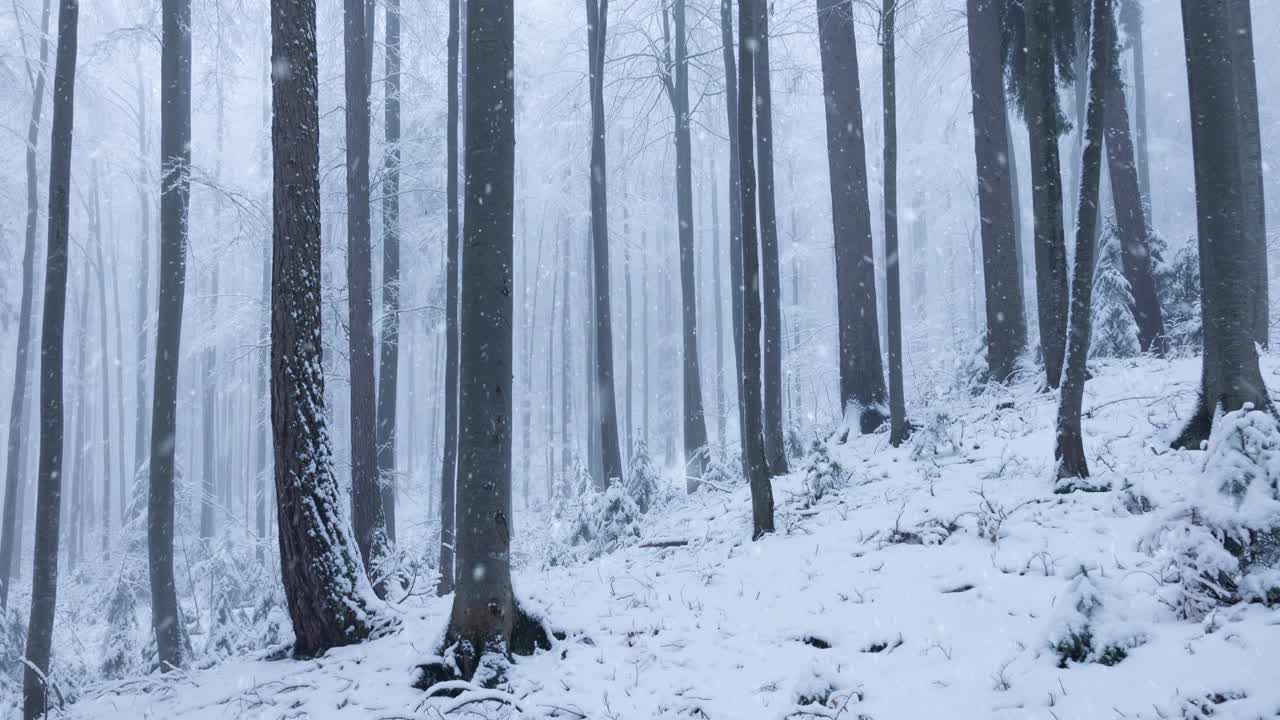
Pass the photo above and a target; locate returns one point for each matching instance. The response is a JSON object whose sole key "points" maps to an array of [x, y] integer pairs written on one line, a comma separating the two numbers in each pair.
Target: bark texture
{"points": [[449, 461], [389, 362], [899, 428]]}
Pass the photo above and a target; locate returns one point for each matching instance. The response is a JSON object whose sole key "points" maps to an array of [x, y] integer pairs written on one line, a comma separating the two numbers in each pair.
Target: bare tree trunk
{"points": [[366, 496], [44, 571], [1133, 26], [142, 420], [389, 363], [104, 361], [1069, 449], [611, 456], [77, 473], [899, 428], [1231, 376], [754, 465], [566, 365], [329, 597], [209, 470], [1042, 126], [1255, 210], [17, 405], [717, 306], [861, 373], [1006, 326], [449, 462], [774, 448], [175, 194], [735, 194]]}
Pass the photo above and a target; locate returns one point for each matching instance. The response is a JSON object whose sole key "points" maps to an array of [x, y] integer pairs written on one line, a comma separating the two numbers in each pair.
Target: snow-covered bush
{"points": [[13, 643], [723, 469], [1178, 282], [972, 372], [1091, 623], [936, 436], [822, 474], [121, 651], [1115, 332], [618, 520], [642, 481], [1222, 544]]}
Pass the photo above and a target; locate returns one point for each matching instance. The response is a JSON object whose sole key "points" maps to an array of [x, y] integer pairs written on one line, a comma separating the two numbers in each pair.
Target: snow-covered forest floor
{"points": [[933, 580]]}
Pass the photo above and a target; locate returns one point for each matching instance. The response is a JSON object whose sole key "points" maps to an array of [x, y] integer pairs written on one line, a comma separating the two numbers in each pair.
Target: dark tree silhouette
{"points": [[389, 362], [899, 428], [449, 462]]}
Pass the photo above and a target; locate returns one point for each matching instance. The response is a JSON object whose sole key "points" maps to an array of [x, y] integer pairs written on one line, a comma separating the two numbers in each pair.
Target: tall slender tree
{"points": [[17, 417], [774, 448], [862, 387], [1249, 129], [104, 356], [735, 193], [449, 461], [366, 496], [142, 409], [175, 196], [611, 455], [330, 600], [899, 428], [44, 571], [754, 465], [389, 362], [1230, 376], [1069, 449], [997, 209]]}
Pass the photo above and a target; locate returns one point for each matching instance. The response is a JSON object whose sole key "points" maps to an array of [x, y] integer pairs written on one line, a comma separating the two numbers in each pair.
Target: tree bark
{"points": [[104, 362], [142, 409], [1069, 449], [1006, 325], [175, 194], [484, 611], [366, 495], [1255, 210], [735, 195], [611, 456], [899, 428], [862, 388], [754, 465], [1133, 25], [449, 461], [1230, 376], [18, 402], [1046, 175], [774, 448], [44, 571], [329, 597], [209, 470], [389, 362]]}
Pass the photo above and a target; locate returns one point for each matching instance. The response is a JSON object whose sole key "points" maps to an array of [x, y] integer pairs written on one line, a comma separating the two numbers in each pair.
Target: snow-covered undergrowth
{"points": [[941, 579]]}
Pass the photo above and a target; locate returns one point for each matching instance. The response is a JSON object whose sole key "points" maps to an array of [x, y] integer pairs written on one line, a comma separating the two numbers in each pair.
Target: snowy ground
{"points": [[921, 588]]}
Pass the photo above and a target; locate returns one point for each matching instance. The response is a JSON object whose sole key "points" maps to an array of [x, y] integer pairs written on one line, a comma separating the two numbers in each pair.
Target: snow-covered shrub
{"points": [[972, 372], [723, 470], [1222, 544], [121, 651], [561, 495], [1090, 622], [822, 474], [1115, 332], [793, 441], [936, 436], [1178, 283], [642, 481], [13, 644], [618, 520]]}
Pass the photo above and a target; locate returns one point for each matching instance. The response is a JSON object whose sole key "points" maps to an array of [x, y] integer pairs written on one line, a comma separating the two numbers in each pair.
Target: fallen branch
{"points": [[664, 544]]}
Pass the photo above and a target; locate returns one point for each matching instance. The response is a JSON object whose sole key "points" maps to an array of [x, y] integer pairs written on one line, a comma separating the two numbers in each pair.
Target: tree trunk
{"points": [[142, 409], [775, 451], [1046, 184], [77, 472], [566, 365], [175, 194], [717, 307], [329, 597], [484, 610], [899, 428], [209, 470], [1231, 376], [1006, 326], [862, 387], [1069, 450], [104, 362], [449, 462], [754, 465], [735, 195], [44, 571], [1134, 28], [17, 418], [366, 495], [1255, 210], [389, 364], [611, 456]]}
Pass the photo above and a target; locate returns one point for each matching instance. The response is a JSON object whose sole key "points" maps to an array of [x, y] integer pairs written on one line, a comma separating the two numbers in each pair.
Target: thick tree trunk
{"points": [[484, 612], [775, 451], [1069, 449], [695, 424], [389, 362], [1255, 210], [754, 465], [735, 195], [44, 571], [1231, 376], [862, 387], [611, 456], [1046, 176], [899, 428], [18, 402], [329, 597], [1001, 271], [366, 495], [449, 460], [175, 194]]}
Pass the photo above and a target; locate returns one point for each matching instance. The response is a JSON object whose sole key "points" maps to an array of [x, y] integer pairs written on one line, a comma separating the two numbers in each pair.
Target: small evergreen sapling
{"points": [[619, 520], [1115, 332], [642, 481]]}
